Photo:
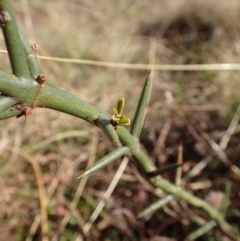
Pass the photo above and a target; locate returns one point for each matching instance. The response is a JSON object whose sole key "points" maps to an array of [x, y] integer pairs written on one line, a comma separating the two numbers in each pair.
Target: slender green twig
{"points": [[155, 206], [137, 153], [13, 42], [202, 230], [211, 224], [168, 187], [34, 66], [31, 57]]}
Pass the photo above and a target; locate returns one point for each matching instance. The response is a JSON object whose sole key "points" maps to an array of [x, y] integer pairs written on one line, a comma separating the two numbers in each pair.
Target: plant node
{"points": [[25, 110], [41, 78], [118, 119]]}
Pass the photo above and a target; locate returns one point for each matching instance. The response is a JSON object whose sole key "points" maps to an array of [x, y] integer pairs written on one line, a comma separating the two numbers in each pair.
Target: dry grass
{"points": [[55, 147]]}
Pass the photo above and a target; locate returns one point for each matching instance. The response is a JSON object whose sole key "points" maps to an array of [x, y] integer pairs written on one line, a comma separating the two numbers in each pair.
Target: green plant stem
{"points": [[11, 86], [138, 154], [65, 102], [61, 100], [202, 230], [168, 187], [144, 161], [13, 43], [6, 102], [56, 99], [211, 224], [6, 110], [155, 206], [32, 61]]}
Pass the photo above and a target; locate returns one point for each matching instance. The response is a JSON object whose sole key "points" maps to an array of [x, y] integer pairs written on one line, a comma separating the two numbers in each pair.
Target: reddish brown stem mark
{"points": [[25, 110], [41, 78]]}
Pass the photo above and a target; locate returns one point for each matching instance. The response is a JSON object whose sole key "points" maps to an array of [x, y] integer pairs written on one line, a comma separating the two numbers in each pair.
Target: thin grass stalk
{"points": [[42, 194]]}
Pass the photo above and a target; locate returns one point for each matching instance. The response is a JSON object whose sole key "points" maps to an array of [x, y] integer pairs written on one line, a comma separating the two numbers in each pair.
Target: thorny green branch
{"points": [[27, 88]]}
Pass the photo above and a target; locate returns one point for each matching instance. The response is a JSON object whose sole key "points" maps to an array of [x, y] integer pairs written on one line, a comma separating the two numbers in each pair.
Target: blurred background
{"points": [[187, 109]]}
